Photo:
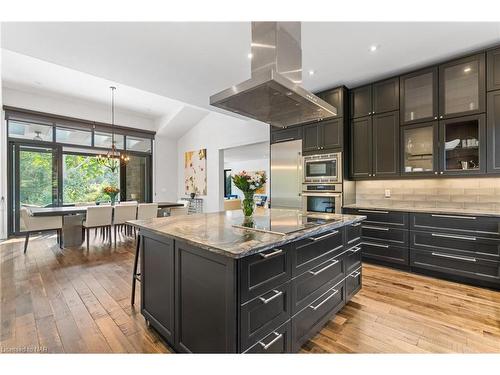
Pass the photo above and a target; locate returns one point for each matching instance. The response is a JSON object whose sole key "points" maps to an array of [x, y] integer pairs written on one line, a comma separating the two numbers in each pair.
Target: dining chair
{"points": [[40, 224], [129, 202], [98, 217], [124, 213], [176, 211], [144, 211]]}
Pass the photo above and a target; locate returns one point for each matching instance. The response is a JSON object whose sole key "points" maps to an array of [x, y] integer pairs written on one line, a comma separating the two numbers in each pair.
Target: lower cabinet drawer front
{"points": [[482, 226], [471, 267], [385, 252], [352, 258], [353, 232], [458, 244], [278, 341], [353, 283], [312, 284], [394, 219], [263, 314], [310, 252], [263, 271], [398, 237], [307, 322]]}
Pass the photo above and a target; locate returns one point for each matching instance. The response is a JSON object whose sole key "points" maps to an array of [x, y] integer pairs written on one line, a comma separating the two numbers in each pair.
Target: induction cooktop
{"points": [[282, 223]]}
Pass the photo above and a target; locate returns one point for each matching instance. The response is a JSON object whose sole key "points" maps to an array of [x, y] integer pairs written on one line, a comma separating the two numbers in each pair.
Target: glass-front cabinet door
{"points": [[463, 148], [462, 87], [420, 149], [419, 96]]}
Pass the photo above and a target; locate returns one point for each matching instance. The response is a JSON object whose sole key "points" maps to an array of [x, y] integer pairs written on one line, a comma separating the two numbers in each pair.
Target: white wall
{"points": [[217, 132], [3, 163], [249, 166], [165, 169]]}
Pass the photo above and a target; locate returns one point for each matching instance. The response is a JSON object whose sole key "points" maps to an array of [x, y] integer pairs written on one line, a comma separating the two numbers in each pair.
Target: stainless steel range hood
{"points": [[274, 94]]}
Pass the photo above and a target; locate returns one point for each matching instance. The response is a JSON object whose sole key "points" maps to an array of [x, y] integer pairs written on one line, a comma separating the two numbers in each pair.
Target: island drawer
{"points": [[457, 265], [353, 283], [385, 252], [312, 251], [264, 271], [398, 237], [482, 226], [277, 342], [263, 314], [313, 283], [353, 233], [458, 244], [394, 219], [309, 321], [352, 258]]}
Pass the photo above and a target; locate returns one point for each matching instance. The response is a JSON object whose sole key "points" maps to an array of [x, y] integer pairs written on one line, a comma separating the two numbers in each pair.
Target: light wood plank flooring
{"points": [[69, 300]]}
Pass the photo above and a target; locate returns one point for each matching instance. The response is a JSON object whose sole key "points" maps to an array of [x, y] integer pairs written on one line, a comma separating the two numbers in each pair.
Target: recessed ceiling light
{"points": [[373, 48], [467, 69], [250, 55], [311, 72]]}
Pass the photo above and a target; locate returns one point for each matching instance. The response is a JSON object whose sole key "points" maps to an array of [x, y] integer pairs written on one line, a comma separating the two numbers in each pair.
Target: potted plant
{"points": [[111, 192], [248, 183]]}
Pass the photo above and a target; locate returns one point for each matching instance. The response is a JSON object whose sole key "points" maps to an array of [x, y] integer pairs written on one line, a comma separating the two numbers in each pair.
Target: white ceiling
{"points": [[190, 61], [247, 152]]}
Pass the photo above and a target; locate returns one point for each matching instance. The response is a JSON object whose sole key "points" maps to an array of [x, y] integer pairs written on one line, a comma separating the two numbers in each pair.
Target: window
{"points": [[227, 182], [31, 131], [138, 144], [103, 139], [74, 136]]}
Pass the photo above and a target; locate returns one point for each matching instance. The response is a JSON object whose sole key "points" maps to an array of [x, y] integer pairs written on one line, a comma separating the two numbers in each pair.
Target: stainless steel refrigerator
{"points": [[286, 175]]}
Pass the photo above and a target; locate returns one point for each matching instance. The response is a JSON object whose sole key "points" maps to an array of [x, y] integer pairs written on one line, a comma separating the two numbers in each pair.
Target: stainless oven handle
{"points": [[308, 194], [324, 236]]}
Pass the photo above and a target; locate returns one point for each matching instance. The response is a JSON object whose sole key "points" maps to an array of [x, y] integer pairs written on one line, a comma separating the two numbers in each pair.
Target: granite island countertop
{"points": [[431, 210], [215, 231]]}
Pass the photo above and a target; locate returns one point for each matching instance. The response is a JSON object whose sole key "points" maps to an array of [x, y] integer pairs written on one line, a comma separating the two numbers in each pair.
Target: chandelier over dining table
{"points": [[113, 159]]}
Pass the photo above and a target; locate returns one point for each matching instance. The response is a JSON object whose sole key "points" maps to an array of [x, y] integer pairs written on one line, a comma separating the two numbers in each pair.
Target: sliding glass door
{"points": [[34, 180]]}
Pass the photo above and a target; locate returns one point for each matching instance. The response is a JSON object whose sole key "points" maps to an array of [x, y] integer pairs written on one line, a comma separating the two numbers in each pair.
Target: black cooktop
{"points": [[283, 222]]}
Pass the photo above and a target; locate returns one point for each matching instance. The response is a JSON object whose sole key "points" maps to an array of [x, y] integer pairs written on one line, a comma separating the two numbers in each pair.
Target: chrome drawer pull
{"points": [[355, 249], [455, 217], [324, 236], [324, 301], [470, 238], [376, 244], [374, 212], [454, 257], [355, 225], [376, 228], [268, 345], [354, 240], [355, 274], [276, 252], [315, 273], [276, 295]]}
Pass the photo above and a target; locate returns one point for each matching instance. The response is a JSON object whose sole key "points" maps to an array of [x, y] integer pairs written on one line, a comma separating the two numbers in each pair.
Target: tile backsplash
{"points": [[470, 193]]}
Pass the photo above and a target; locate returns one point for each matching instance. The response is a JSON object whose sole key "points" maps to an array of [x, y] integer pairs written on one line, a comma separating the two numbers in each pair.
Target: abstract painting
{"points": [[195, 172]]}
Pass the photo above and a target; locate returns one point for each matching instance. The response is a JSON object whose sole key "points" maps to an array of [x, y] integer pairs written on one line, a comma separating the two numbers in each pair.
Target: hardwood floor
{"points": [[72, 301]]}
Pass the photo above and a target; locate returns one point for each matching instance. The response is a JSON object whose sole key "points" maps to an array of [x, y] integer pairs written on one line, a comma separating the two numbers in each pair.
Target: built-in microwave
{"points": [[325, 168]]}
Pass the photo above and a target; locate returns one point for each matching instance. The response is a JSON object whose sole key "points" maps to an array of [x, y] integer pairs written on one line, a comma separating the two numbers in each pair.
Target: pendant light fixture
{"points": [[113, 158]]}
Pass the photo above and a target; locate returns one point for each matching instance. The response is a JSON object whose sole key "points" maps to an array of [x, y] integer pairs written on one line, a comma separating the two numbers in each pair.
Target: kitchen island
{"points": [[209, 284]]}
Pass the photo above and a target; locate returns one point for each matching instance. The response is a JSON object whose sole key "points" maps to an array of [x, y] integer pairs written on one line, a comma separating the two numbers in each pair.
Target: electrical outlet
{"points": [[387, 193]]}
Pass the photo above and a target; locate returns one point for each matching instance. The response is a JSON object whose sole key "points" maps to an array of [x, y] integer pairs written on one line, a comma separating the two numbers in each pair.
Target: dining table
{"points": [[73, 217]]}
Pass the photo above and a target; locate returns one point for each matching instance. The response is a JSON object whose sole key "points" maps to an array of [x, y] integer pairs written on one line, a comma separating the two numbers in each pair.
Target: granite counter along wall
{"points": [[481, 194]]}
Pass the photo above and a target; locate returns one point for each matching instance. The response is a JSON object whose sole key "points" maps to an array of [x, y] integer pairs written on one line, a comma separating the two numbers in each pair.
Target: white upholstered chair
{"points": [[40, 224], [98, 217], [124, 213], [176, 211]]}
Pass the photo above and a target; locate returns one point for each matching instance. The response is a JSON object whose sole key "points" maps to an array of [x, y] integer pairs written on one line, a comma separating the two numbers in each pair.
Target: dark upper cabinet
{"points": [[462, 87], [361, 147], [419, 96], [493, 70], [334, 97], [493, 131], [420, 149], [463, 145], [360, 100], [385, 134], [325, 135], [285, 134], [385, 96]]}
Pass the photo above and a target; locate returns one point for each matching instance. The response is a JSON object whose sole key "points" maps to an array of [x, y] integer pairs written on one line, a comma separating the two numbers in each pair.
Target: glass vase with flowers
{"points": [[249, 183]]}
